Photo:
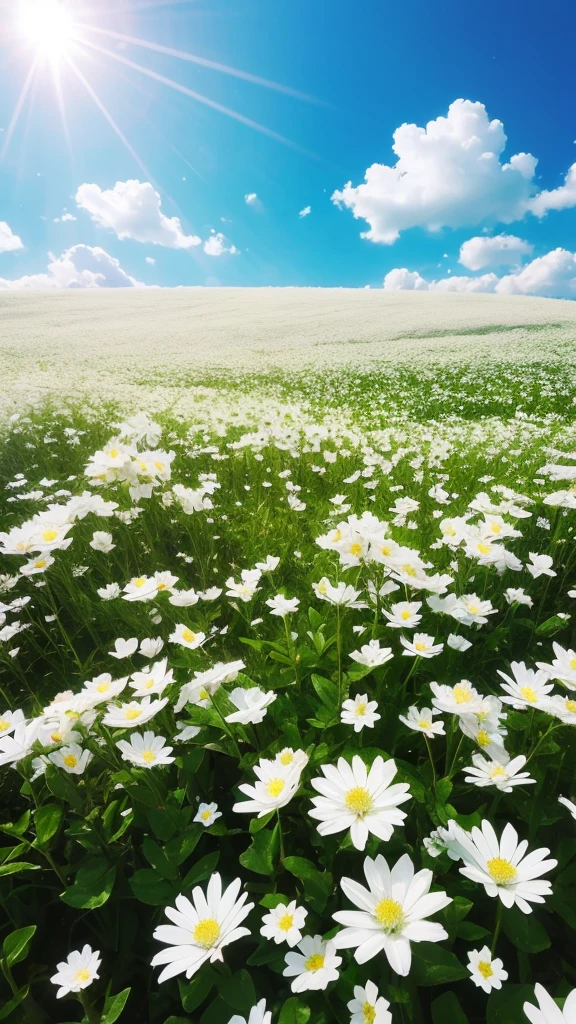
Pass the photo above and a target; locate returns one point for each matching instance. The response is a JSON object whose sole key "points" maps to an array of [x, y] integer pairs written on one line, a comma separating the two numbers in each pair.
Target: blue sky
{"points": [[370, 67]]}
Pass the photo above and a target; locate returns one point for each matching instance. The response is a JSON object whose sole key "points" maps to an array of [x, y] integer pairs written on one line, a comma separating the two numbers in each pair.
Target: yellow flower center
{"points": [[358, 800], [4, 724], [113, 453], [385, 550], [361, 709], [188, 636], [336, 536], [103, 687], [450, 531], [82, 974], [495, 527], [573, 664], [149, 684], [206, 932], [133, 713], [275, 787], [570, 705], [483, 548], [205, 815], [148, 756], [409, 570], [40, 563], [322, 588], [285, 922], [498, 773], [462, 694], [473, 609], [286, 757], [314, 962], [159, 466], [203, 695], [369, 1013], [420, 646], [356, 549], [529, 694], [70, 761], [405, 615], [483, 738], [162, 586], [56, 737], [502, 871], [485, 969], [389, 914], [49, 535], [424, 724], [139, 582]]}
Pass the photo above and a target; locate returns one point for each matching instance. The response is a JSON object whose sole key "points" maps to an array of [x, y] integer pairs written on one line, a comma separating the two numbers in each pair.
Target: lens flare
{"points": [[47, 26]]}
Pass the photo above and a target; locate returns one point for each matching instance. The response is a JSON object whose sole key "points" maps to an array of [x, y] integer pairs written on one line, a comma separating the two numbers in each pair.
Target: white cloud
{"points": [[448, 174], [305, 212], [216, 245], [558, 198], [9, 242], [68, 216], [552, 275], [132, 209], [82, 266], [150, 260], [501, 250], [251, 199]]}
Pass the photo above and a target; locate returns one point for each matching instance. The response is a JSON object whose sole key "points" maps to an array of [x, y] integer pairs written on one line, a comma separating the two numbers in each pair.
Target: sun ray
{"points": [[57, 80], [19, 107], [195, 96], [203, 62]]}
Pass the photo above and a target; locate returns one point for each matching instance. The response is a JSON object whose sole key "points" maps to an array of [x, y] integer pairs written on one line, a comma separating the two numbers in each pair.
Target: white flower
{"points": [[9, 720], [568, 803], [563, 666], [485, 972], [515, 595], [201, 928], [372, 655], [461, 699], [204, 684], [282, 606], [272, 562], [540, 565], [283, 923], [245, 589], [368, 1007], [186, 637], [500, 865], [359, 712], [422, 646], [360, 800], [151, 646], [392, 912], [314, 967], [102, 541], [154, 680], [258, 1015], [458, 643], [73, 759], [77, 972], [145, 751], [184, 598], [422, 721], [252, 704], [18, 746], [561, 707], [109, 592], [36, 565], [124, 648], [207, 813], [212, 594], [129, 715], [186, 732], [278, 781], [492, 773], [103, 687], [404, 614], [141, 588], [548, 1011], [528, 689], [342, 594]]}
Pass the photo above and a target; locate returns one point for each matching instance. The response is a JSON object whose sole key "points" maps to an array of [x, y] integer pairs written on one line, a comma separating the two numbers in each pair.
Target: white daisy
{"points": [[360, 800], [368, 1007], [206, 683], [561, 707], [77, 972], [527, 688], [103, 687], [201, 928], [314, 967], [187, 637], [485, 972], [154, 680], [422, 646], [492, 773], [359, 712], [252, 704], [563, 666], [9, 720], [258, 1015], [133, 713], [568, 804], [372, 655], [276, 786], [283, 923], [461, 699], [145, 751], [548, 1011], [392, 912], [207, 814], [124, 648], [283, 606], [73, 759], [539, 565], [423, 721], [403, 615]]}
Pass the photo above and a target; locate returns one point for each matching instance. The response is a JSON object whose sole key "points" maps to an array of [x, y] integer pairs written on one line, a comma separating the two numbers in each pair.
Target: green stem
{"points": [[339, 653], [497, 926], [281, 835], [429, 749], [93, 1016]]}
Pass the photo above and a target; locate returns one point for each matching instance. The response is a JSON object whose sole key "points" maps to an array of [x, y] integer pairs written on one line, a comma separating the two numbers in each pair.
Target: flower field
{"points": [[288, 697]]}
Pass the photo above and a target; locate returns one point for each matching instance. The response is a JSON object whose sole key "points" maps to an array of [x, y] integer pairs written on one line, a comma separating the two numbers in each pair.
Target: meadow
{"points": [[288, 681]]}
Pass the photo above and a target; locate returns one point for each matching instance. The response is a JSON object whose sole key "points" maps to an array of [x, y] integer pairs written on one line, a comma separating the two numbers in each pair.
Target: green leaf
{"points": [[318, 884], [16, 828], [506, 1005], [257, 824], [525, 931], [194, 993], [47, 821], [11, 1005], [60, 784], [262, 852], [92, 886], [434, 965], [15, 945], [456, 911], [272, 900], [177, 1020], [158, 859], [217, 1013], [443, 789], [149, 887], [294, 1011], [471, 932], [201, 870], [17, 865], [238, 991], [114, 1006], [327, 691], [550, 626], [180, 848], [447, 1009]]}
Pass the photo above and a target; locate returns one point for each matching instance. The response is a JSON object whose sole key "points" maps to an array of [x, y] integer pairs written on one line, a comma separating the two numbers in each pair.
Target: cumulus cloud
{"points": [[305, 212], [216, 245], [82, 266], [150, 260], [9, 242], [251, 199], [448, 174], [552, 275], [558, 198], [498, 251], [132, 209]]}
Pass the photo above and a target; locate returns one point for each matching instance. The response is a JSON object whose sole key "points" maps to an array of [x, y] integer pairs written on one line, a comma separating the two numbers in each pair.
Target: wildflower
{"points": [[460, 699], [503, 777], [127, 716], [515, 595], [528, 689], [372, 655], [184, 598], [77, 972], [500, 865], [145, 751], [277, 784], [422, 721], [342, 594], [72, 759], [485, 972], [404, 614], [392, 912], [187, 637], [207, 813], [422, 646], [314, 967], [272, 562], [540, 565], [458, 643], [561, 707], [368, 1007], [9, 720], [563, 666], [150, 647], [359, 712], [19, 745], [186, 732], [258, 1015], [124, 648], [245, 589], [204, 684], [283, 923], [548, 1011], [568, 803], [109, 592], [360, 800], [282, 606], [102, 541], [154, 680], [36, 565], [252, 704], [103, 687]]}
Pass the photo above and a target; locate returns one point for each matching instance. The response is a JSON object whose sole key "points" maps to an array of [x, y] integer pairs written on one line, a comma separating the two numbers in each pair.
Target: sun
{"points": [[47, 25]]}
